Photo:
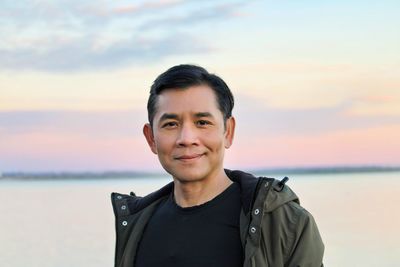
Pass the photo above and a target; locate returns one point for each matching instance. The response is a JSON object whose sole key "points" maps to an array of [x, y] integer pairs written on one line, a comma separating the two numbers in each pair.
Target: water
{"points": [[70, 223]]}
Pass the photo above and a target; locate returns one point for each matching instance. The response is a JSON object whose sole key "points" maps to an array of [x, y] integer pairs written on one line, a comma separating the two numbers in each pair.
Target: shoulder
{"points": [[283, 205], [124, 204], [296, 218], [294, 229]]}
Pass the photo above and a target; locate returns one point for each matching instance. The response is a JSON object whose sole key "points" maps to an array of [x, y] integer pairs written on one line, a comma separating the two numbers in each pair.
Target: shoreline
{"points": [[66, 175]]}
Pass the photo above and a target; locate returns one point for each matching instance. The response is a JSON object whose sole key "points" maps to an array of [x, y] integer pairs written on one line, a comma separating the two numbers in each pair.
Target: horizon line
{"points": [[134, 174]]}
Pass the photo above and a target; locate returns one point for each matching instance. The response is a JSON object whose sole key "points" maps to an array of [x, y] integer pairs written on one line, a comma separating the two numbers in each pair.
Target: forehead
{"points": [[199, 98]]}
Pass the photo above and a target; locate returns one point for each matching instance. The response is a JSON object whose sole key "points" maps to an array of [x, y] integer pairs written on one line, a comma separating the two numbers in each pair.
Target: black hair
{"points": [[184, 76]]}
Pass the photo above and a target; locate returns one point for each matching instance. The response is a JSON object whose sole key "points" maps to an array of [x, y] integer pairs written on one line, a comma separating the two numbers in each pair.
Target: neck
{"points": [[188, 194]]}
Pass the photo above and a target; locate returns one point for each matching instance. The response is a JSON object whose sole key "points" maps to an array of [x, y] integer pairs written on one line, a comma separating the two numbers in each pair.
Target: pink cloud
{"points": [[88, 144], [373, 146], [57, 151]]}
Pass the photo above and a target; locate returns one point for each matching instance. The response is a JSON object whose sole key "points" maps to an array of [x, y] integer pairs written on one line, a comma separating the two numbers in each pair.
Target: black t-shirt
{"points": [[201, 236]]}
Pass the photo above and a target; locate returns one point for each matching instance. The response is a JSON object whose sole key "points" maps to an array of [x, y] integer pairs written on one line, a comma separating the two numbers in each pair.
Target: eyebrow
{"points": [[168, 116], [172, 116], [203, 114]]}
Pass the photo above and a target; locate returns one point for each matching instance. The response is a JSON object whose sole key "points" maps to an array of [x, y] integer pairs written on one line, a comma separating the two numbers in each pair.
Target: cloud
{"points": [[73, 36], [69, 140], [256, 118], [146, 6], [89, 123], [83, 55], [381, 104], [200, 15], [73, 140]]}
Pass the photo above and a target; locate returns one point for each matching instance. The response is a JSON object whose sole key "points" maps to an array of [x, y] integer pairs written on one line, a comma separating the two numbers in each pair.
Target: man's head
{"points": [[190, 122], [184, 76]]}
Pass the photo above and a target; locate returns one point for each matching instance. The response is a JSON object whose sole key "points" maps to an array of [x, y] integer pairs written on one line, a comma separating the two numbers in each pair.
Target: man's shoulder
{"points": [[285, 214], [124, 204]]}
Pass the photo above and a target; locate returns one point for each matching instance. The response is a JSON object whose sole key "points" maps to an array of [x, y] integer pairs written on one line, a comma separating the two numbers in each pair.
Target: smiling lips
{"points": [[188, 158]]}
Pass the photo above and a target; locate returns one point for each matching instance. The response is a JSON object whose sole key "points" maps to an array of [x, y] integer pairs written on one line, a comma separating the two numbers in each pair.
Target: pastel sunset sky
{"points": [[316, 83]]}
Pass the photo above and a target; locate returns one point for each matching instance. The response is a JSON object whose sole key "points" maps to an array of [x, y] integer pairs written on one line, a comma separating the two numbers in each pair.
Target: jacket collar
{"points": [[138, 203], [248, 186], [247, 183]]}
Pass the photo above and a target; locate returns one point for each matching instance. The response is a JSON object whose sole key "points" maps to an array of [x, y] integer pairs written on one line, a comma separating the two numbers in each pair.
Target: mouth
{"points": [[189, 158]]}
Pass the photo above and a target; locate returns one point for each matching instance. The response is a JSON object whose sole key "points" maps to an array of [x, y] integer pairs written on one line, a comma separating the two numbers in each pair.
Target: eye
{"points": [[203, 123], [170, 124]]}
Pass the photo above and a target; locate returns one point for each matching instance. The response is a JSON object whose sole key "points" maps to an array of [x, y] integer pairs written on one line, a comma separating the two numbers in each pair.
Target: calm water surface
{"points": [[70, 223]]}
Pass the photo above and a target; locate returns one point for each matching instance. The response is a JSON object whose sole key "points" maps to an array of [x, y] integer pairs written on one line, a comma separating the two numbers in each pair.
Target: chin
{"points": [[186, 176]]}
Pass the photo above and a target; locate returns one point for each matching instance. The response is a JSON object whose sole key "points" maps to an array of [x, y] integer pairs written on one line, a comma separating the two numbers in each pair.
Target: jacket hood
{"points": [[279, 193]]}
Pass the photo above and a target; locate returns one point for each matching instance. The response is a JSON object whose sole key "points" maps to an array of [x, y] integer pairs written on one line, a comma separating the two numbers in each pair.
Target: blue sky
{"points": [[84, 35], [87, 35]]}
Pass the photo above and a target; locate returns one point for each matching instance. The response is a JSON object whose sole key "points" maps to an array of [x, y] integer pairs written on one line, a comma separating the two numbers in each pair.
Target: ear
{"points": [[229, 131], [148, 133]]}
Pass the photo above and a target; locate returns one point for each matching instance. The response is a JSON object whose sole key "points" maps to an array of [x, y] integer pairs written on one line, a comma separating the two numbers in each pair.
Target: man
{"points": [[208, 216]]}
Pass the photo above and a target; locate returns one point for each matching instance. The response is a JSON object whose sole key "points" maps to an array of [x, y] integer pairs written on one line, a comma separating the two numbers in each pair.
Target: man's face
{"points": [[188, 133]]}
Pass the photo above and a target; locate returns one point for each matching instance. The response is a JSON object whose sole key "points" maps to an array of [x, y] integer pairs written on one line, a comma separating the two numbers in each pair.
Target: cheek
{"points": [[164, 143], [214, 141]]}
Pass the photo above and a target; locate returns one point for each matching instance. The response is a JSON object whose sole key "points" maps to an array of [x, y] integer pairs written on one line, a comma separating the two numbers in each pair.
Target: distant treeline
{"points": [[328, 170], [132, 174], [75, 175]]}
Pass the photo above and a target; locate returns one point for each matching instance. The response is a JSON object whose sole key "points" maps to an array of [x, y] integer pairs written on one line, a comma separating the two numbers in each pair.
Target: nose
{"points": [[187, 136]]}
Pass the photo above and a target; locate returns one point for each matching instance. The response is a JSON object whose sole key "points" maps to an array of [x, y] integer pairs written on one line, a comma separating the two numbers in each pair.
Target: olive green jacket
{"points": [[275, 230]]}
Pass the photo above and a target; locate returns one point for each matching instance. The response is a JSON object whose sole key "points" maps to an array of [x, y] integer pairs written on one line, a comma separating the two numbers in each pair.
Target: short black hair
{"points": [[184, 76]]}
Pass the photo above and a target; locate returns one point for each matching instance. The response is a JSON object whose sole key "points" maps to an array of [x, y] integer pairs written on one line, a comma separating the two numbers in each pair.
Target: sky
{"points": [[316, 83]]}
